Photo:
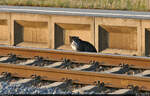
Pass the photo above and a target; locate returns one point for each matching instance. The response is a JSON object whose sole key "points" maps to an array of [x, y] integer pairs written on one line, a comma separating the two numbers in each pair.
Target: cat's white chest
{"points": [[73, 45]]}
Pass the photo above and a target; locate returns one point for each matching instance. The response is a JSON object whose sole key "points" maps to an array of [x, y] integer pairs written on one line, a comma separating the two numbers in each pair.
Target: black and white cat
{"points": [[80, 45]]}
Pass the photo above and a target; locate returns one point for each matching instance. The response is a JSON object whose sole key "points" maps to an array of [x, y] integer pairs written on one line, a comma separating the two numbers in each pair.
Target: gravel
{"points": [[6, 88]]}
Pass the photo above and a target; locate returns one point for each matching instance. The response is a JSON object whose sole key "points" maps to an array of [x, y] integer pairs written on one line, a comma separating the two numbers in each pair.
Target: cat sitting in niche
{"points": [[82, 46]]}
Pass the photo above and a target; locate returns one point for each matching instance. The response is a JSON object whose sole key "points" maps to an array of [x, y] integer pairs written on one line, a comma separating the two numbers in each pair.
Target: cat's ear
{"points": [[76, 37]]}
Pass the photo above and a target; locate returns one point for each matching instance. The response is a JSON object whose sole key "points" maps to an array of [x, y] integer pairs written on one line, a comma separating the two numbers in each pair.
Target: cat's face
{"points": [[74, 42], [74, 38]]}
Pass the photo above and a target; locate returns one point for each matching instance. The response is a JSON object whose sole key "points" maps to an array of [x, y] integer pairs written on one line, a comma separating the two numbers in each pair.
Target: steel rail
{"points": [[76, 12], [83, 57], [111, 80]]}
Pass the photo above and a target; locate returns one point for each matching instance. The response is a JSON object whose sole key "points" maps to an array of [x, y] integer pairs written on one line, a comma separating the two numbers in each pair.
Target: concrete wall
{"points": [[108, 35], [31, 30], [124, 35], [72, 26], [5, 28], [145, 37]]}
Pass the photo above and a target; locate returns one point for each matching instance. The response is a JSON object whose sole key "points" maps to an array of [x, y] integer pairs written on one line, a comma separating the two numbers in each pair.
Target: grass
{"points": [[136, 5]]}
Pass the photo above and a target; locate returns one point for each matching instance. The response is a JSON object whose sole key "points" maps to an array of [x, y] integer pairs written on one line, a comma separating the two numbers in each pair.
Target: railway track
{"points": [[119, 74]]}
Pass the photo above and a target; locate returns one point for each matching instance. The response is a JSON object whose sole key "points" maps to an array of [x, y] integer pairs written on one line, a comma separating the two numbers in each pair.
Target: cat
{"points": [[79, 45]]}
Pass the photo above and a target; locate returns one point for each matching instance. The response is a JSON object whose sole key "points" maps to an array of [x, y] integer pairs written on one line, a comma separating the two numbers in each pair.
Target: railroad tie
{"points": [[144, 73], [112, 70], [83, 89], [82, 67], [54, 64], [3, 58], [21, 81], [122, 91], [1, 76], [55, 84], [27, 62]]}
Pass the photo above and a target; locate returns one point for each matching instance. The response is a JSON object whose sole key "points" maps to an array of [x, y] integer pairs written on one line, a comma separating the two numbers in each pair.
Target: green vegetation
{"points": [[136, 5]]}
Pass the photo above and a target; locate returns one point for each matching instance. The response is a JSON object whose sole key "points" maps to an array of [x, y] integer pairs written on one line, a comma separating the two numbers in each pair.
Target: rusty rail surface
{"points": [[111, 80], [83, 57]]}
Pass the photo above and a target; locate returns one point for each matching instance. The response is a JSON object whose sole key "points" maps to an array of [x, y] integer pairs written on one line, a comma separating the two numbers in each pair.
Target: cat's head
{"points": [[74, 38]]}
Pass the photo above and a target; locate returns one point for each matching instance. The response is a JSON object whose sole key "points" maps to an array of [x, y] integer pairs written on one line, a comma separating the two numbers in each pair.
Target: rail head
{"points": [[111, 80], [83, 57]]}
